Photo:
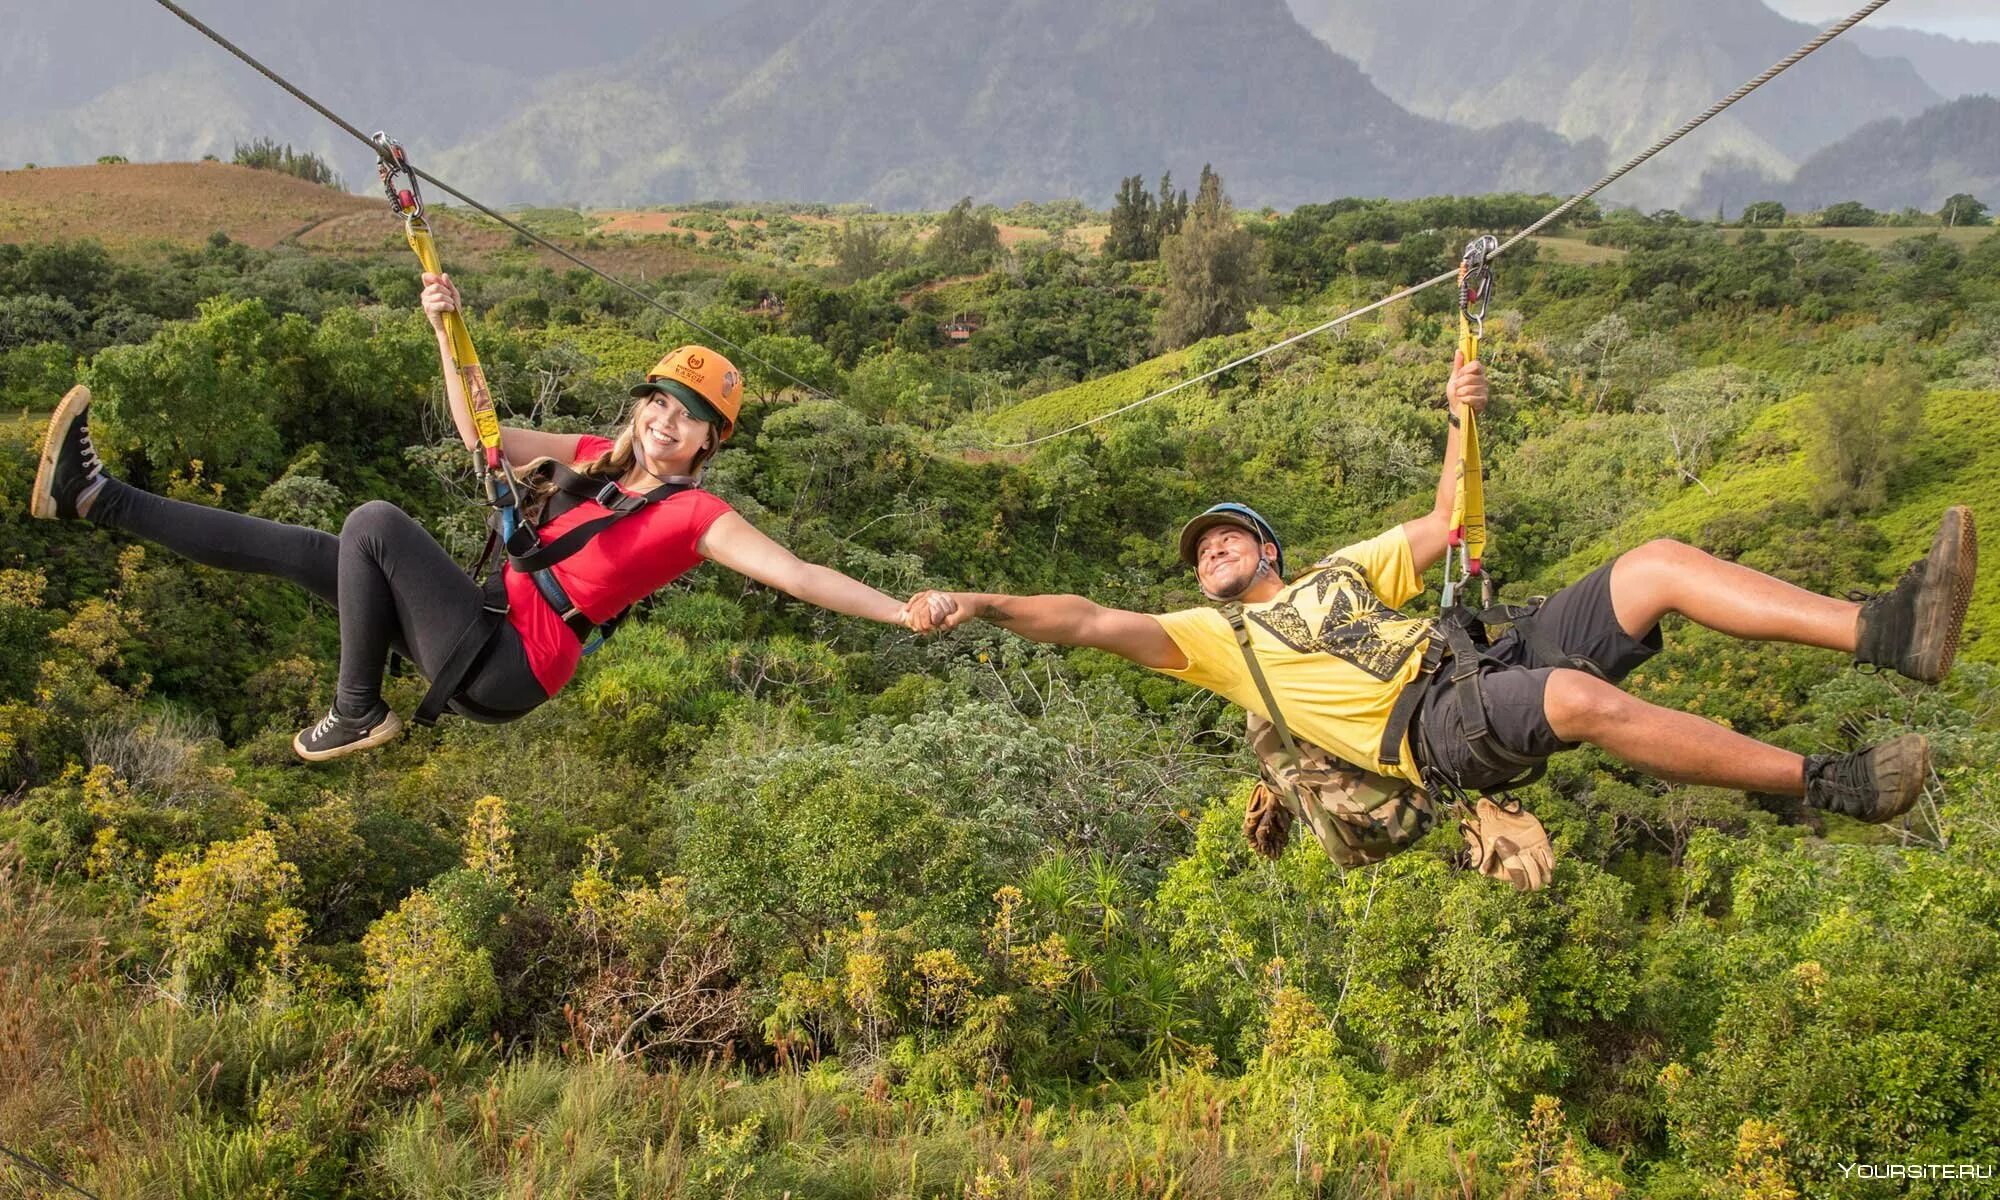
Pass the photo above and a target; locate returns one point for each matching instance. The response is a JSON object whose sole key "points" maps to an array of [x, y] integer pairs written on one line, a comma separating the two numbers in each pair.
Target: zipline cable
{"points": [[1772, 72], [48, 1173], [352, 131], [1343, 319], [1776, 69]]}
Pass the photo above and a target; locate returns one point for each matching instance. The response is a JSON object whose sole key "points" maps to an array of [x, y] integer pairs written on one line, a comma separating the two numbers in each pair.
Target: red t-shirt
{"points": [[619, 567]]}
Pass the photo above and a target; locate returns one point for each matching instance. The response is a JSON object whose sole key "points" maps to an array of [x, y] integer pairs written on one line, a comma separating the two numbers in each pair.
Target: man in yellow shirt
{"points": [[1337, 656]]}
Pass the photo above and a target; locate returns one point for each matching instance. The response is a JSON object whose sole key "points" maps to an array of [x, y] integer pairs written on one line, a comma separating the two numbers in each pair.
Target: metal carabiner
{"points": [[407, 199], [1475, 281]]}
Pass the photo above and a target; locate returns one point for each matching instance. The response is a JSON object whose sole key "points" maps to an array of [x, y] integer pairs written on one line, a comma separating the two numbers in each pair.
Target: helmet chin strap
{"points": [[1248, 582]]}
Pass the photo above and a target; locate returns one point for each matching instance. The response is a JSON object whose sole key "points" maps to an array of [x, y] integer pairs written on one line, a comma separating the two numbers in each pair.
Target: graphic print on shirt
{"points": [[1349, 617]]}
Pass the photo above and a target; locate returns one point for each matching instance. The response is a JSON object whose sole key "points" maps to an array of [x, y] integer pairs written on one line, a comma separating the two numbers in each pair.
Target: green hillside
{"points": [[771, 902], [1080, 402], [1954, 462]]}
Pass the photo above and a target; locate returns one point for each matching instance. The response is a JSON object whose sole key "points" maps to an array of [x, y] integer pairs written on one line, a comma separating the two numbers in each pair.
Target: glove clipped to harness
{"points": [[1357, 817], [1267, 822], [1510, 844]]}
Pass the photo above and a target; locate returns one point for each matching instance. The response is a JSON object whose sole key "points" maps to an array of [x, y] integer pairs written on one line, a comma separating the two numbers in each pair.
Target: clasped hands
{"points": [[933, 611]]}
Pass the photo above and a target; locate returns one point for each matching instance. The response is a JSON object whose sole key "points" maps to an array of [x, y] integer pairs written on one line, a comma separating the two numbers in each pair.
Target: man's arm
{"points": [[1429, 534], [1063, 621]]}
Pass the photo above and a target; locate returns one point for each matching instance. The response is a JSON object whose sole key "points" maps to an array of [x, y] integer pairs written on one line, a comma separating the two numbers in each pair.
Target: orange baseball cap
{"points": [[708, 384]]}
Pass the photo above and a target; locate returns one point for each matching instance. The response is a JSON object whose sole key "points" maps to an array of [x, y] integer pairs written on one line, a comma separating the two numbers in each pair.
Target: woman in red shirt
{"points": [[395, 587]]}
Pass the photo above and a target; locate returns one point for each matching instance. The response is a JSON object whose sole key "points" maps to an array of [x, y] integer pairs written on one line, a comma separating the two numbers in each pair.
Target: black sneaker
{"points": [[336, 735], [1914, 628], [1874, 785], [69, 475]]}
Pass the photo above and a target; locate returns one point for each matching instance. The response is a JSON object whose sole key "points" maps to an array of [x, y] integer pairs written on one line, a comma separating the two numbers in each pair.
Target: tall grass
{"points": [[134, 1096]]}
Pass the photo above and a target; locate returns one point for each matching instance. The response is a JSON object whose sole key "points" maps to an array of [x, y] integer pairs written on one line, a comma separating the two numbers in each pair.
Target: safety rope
{"points": [[1466, 531], [1776, 69], [352, 131], [48, 1173]]}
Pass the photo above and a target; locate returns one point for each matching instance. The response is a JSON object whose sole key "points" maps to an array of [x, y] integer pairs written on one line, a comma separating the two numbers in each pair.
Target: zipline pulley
{"points": [[1475, 289], [407, 199]]}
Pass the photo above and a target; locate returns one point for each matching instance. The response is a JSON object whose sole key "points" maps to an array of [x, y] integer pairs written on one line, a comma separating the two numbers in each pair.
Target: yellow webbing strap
{"points": [[408, 202], [1468, 506], [1467, 539]]}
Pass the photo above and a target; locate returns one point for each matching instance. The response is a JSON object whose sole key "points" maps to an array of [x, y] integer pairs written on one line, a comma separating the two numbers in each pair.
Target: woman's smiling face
{"points": [[667, 437]]}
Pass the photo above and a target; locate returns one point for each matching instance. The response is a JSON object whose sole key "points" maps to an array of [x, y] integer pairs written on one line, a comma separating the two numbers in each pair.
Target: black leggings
{"points": [[392, 584]]}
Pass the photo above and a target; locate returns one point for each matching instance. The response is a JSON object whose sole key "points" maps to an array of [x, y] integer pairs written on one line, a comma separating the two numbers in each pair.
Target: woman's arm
{"points": [[520, 445], [735, 543]]}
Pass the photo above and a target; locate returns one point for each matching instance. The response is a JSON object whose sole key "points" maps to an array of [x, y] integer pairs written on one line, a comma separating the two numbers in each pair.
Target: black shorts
{"points": [[1580, 621]]}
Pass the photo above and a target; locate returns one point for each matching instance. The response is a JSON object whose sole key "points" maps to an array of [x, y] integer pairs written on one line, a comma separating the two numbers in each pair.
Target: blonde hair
{"points": [[614, 463]]}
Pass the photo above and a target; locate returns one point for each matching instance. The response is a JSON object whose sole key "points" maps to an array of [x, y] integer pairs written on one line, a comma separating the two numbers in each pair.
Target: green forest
{"points": [[775, 903]]}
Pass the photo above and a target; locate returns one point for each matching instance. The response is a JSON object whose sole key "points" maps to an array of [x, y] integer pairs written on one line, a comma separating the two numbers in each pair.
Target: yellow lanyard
{"points": [[409, 204], [1467, 536]]}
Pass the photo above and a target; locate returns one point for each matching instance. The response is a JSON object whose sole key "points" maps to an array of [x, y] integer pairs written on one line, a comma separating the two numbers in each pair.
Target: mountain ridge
{"points": [[1054, 100], [1644, 67], [1953, 67], [912, 103]]}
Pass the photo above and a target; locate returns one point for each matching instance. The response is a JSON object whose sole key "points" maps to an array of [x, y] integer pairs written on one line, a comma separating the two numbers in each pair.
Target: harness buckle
{"points": [[608, 494]]}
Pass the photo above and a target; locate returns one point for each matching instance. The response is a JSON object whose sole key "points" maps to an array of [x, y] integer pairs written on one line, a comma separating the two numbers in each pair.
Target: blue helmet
{"points": [[1230, 513]]}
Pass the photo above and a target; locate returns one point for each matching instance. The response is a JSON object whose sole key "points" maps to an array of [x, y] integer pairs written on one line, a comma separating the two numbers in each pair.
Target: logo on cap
{"points": [[696, 362]]}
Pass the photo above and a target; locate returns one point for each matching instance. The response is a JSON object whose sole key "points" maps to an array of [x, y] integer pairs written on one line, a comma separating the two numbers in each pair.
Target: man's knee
{"points": [[1662, 556], [1579, 705], [1648, 581]]}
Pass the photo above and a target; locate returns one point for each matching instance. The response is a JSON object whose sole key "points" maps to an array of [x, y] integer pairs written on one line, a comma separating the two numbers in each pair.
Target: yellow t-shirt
{"points": [[1332, 647]]}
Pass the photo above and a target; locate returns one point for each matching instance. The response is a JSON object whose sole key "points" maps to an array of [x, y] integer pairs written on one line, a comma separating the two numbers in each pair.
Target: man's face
{"points": [[1225, 559]]}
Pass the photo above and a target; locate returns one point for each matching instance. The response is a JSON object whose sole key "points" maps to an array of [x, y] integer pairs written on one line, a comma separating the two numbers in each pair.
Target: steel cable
{"points": [[1776, 69], [352, 131]]}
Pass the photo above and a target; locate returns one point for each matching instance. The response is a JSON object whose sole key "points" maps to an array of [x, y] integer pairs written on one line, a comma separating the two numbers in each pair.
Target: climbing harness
{"points": [[508, 527], [1461, 631], [1462, 636], [528, 555], [1555, 214]]}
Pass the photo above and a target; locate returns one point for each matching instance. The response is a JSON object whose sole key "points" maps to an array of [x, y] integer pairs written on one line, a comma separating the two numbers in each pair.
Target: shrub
{"points": [[424, 976], [265, 154], [1860, 429], [217, 906]]}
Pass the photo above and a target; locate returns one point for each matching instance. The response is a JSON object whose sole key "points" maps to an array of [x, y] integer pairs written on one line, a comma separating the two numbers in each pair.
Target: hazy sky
{"points": [[1978, 19]]}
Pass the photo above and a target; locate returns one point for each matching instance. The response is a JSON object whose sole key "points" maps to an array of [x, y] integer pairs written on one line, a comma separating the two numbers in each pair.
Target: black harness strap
{"points": [[467, 653], [1461, 640], [527, 554], [1467, 667], [1405, 708]]}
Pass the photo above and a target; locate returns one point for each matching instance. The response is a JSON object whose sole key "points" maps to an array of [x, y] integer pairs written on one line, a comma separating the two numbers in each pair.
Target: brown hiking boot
{"points": [[1874, 785], [1913, 629]]}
